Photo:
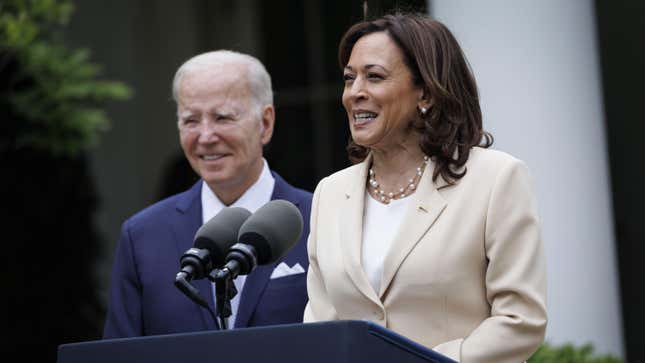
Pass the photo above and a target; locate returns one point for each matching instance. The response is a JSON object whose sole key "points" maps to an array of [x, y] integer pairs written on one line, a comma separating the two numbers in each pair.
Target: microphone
{"points": [[265, 237], [211, 244]]}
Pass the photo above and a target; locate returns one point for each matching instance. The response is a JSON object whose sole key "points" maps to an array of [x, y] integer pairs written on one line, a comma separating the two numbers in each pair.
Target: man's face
{"points": [[221, 129]]}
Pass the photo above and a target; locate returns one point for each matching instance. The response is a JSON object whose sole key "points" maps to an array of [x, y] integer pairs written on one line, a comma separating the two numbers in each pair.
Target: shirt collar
{"points": [[253, 198]]}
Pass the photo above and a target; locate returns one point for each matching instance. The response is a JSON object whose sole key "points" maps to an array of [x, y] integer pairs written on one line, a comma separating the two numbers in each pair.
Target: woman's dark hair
{"points": [[453, 124]]}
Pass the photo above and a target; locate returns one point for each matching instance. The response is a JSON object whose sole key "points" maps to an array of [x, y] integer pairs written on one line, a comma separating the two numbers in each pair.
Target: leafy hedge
{"points": [[568, 353], [53, 91], [51, 111]]}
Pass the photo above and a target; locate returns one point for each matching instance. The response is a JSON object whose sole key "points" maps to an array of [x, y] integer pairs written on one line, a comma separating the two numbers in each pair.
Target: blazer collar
{"points": [[426, 207], [185, 223], [351, 227], [190, 199]]}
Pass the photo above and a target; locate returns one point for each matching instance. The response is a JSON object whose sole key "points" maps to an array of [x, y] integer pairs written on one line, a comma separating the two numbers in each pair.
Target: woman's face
{"points": [[379, 95]]}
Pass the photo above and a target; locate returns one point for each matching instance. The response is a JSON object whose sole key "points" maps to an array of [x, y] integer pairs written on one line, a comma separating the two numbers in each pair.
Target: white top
{"points": [[380, 224], [256, 196]]}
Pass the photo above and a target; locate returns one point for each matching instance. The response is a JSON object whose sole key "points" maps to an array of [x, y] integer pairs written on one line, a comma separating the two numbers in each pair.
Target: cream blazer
{"points": [[466, 274]]}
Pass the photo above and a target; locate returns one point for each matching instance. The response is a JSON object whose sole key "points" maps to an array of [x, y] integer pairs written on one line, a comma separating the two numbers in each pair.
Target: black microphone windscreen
{"points": [[220, 233], [272, 230]]}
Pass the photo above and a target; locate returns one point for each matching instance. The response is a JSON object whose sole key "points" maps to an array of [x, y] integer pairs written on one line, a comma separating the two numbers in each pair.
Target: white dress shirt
{"points": [[256, 196], [380, 225]]}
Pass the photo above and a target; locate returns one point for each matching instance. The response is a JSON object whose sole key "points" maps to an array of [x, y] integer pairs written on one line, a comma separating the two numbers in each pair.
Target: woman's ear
{"points": [[425, 101]]}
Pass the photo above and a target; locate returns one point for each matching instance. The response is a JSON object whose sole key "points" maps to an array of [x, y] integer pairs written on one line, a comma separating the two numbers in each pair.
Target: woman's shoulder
{"points": [[349, 172], [490, 164], [492, 155], [342, 178], [491, 159]]}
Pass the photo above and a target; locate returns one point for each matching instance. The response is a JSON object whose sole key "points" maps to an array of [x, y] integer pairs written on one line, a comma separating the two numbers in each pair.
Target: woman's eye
{"points": [[348, 77], [374, 76]]}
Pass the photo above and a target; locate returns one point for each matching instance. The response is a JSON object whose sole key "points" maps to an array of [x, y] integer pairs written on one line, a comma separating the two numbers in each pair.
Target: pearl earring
{"points": [[423, 111]]}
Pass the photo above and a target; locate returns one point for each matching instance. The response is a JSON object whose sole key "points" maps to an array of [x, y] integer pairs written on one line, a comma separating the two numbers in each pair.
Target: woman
{"points": [[430, 233]]}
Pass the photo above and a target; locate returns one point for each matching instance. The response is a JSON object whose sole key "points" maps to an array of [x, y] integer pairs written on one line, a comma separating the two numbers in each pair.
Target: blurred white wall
{"points": [[538, 72]]}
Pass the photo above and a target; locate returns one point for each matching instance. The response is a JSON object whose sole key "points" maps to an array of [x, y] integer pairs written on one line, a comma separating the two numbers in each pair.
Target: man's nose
{"points": [[208, 132]]}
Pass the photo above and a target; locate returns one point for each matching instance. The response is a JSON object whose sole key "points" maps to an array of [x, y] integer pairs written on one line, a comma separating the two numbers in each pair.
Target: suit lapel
{"points": [[424, 209], [351, 229], [185, 225], [257, 281], [254, 286]]}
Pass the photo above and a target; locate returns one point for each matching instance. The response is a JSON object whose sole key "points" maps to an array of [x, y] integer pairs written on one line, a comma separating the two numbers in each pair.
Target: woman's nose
{"points": [[357, 89]]}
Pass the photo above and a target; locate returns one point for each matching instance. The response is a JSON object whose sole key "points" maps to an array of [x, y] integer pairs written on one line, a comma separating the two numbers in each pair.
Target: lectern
{"points": [[335, 342]]}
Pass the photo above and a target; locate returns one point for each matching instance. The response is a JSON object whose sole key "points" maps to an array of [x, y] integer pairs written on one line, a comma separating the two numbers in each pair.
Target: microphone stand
{"points": [[224, 291], [182, 282]]}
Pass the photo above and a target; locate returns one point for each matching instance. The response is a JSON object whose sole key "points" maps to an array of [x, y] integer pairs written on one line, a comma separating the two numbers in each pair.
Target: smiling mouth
{"points": [[211, 157], [364, 117]]}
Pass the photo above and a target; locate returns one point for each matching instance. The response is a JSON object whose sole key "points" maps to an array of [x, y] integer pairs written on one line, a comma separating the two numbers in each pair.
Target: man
{"points": [[225, 117]]}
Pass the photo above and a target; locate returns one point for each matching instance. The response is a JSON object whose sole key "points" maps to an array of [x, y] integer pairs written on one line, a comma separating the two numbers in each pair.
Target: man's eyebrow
{"points": [[185, 114], [225, 111]]}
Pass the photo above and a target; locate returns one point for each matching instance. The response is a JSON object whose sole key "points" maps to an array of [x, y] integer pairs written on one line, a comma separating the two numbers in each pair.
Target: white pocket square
{"points": [[283, 270]]}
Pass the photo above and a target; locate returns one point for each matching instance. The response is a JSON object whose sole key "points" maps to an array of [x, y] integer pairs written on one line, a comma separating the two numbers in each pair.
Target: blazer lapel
{"points": [[185, 225], [424, 209], [254, 286], [351, 229], [257, 281]]}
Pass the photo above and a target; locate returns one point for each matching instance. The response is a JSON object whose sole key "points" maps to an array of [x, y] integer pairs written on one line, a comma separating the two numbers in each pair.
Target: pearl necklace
{"points": [[386, 197]]}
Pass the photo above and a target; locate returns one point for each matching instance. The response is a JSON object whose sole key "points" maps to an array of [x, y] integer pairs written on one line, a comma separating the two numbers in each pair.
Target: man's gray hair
{"points": [[258, 78]]}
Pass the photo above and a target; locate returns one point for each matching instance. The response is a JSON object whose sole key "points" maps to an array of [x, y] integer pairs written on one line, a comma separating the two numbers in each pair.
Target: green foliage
{"points": [[53, 94], [52, 104], [569, 353]]}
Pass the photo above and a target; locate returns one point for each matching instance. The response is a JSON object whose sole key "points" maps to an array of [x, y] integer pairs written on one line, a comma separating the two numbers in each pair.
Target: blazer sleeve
{"points": [[124, 316], [515, 275], [319, 307]]}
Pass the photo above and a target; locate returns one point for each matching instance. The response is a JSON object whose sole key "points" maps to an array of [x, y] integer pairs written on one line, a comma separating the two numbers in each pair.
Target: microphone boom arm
{"points": [[183, 284]]}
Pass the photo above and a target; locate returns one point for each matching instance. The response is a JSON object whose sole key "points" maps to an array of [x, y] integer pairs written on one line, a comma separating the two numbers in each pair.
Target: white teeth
{"points": [[211, 157], [364, 115]]}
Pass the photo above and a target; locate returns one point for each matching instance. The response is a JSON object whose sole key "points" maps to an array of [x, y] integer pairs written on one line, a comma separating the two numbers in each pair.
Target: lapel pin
{"points": [[423, 209]]}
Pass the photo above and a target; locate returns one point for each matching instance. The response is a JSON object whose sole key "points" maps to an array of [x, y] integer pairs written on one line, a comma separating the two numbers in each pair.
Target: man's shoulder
{"points": [[290, 191], [166, 208], [300, 194]]}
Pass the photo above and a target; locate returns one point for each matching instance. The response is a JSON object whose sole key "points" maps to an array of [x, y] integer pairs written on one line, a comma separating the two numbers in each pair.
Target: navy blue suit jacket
{"points": [[143, 298]]}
